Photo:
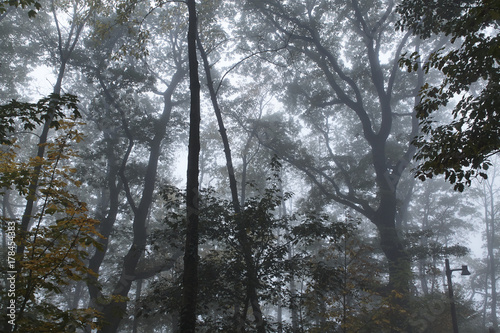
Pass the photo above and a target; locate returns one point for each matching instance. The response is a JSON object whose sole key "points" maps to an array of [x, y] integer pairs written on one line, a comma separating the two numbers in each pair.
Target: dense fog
{"points": [[249, 166]]}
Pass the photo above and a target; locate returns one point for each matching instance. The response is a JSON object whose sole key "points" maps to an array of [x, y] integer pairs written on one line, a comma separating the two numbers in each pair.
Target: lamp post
{"points": [[465, 271]]}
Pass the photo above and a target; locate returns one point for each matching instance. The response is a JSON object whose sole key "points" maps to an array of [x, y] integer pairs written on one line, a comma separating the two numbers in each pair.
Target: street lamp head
{"points": [[465, 270]]}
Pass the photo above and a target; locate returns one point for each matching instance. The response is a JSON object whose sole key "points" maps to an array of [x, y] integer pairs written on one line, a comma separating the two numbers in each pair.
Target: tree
{"points": [[190, 279], [56, 245], [64, 46], [344, 89], [459, 148], [436, 228], [142, 130], [488, 192], [223, 266], [251, 269]]}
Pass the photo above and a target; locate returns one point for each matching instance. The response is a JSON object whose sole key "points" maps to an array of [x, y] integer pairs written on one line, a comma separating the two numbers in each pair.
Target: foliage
{"points": [[61, 235], [432, 249], [28, 116], [460, 148], [431, 313], [342, 279], [222, 262], [4, 6], [342, 283]]}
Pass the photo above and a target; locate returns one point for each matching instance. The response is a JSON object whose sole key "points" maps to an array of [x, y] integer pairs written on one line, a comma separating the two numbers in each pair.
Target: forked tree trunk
{"points": [[114, 311]]}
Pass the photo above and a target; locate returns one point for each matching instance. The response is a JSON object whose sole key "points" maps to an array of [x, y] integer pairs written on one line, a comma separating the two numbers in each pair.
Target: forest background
{"points": [[311, 218]]}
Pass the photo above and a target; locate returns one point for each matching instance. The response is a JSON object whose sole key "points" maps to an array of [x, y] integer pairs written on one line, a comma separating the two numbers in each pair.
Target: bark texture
{"points": [[190, 278]]}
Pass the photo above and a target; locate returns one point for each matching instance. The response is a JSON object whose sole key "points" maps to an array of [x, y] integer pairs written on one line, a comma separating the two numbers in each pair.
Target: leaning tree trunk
{"points": [[251, 272], [190, 278]]}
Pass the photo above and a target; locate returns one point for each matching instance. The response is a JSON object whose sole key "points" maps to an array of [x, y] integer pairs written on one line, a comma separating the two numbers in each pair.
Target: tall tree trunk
{"points": [[251, 272], [490, 244], [400, 274], [424, 241], [42, 140], [190, 278]]}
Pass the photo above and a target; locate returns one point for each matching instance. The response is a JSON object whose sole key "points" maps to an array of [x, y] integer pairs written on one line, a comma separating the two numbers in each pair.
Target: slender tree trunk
{"points": [[279, 316], [190, 278], [40, 154], [244, 170], [424, 242], [27, 216], [113, 188], [490, 243], [252, 278], [485, 304], [222, 128]]}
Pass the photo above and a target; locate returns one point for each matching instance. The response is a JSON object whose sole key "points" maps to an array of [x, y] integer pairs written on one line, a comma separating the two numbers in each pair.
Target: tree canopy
{"points": [[459, 148]]}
